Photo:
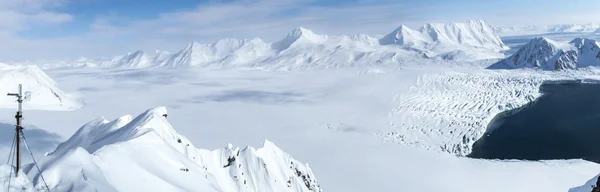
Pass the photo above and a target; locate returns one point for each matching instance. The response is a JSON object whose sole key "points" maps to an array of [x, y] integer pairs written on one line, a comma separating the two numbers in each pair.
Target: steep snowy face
{"points": [[406, 37], [44, 93], [224, 52], [587, 187], [472, 33], [547, 54], [145, 153], [130, 60], [471, 40], [298, 37]]}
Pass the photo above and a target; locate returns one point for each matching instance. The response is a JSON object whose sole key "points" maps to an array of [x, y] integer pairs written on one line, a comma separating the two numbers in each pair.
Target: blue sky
{"points": [[56, 29]]}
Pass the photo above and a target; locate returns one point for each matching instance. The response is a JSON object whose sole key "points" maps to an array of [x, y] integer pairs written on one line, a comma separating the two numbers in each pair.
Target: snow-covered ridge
{"points": [[548, 54], [157, 158], [303, 48], [470, 34], [574, 28], [533, 29], [44, 93]]}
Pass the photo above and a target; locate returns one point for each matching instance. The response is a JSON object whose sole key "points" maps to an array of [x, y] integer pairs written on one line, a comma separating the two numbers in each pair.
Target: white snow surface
{"points": [[574, 28], [333, 119], [363, 128], [547, 54], [302, 48], [44, 93], [157, 158], [542, 29]]}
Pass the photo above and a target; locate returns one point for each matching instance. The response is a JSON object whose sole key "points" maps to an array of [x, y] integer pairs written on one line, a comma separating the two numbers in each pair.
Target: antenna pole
{"points": [[18, 127]]}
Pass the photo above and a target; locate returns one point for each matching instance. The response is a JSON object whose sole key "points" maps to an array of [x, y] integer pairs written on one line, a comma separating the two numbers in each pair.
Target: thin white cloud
{"points": [[208, 22], [18, 15]]}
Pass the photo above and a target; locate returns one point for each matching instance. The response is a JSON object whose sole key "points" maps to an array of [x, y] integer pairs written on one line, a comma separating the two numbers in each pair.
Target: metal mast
{"points": [[18, 127]]}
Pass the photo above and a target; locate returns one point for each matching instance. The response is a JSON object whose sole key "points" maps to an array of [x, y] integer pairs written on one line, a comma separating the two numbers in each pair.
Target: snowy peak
{"points": [[301, 48], [299, 36], [130, 60], [44, 93], [147, 146], [548, 54], [101, 132], [300, 32], [472, 33], [404, 35], [447, 38]]}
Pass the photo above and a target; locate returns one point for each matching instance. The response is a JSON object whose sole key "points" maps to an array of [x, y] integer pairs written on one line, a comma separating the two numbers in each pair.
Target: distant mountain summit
{"points": [[302, 48], [535, 29], [547, 54]]}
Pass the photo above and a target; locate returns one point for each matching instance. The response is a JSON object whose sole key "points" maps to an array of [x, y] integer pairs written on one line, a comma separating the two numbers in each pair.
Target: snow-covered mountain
{"points": [[44, 93], [533, 29], [448, 37], [303, 48], [548, 54], [157, 158], [569, 28]]}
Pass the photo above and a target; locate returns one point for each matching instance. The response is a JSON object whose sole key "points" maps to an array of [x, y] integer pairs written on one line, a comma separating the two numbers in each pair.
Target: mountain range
{"points": [[301, 48], [540, 29], [547, 54]]}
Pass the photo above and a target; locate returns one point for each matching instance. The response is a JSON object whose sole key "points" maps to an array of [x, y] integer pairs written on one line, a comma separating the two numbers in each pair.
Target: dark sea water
{"points": [[564, 123]]}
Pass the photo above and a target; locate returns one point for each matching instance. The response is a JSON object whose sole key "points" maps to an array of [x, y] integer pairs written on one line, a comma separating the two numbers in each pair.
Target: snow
{"points": [[44, 93], [367, 117], [147, 146], [548, 54], [302, 48], [574, 28], [587, 187], [543, 29], [348, 124]]}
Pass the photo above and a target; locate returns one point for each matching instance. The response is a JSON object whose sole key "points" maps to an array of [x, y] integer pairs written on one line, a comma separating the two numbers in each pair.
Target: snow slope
{"points": [[157, 158], [470, 34], [325, 117], [548, 54], [130, 60], [587, 187], [44, 93], [302, 48], [533, 29]]}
